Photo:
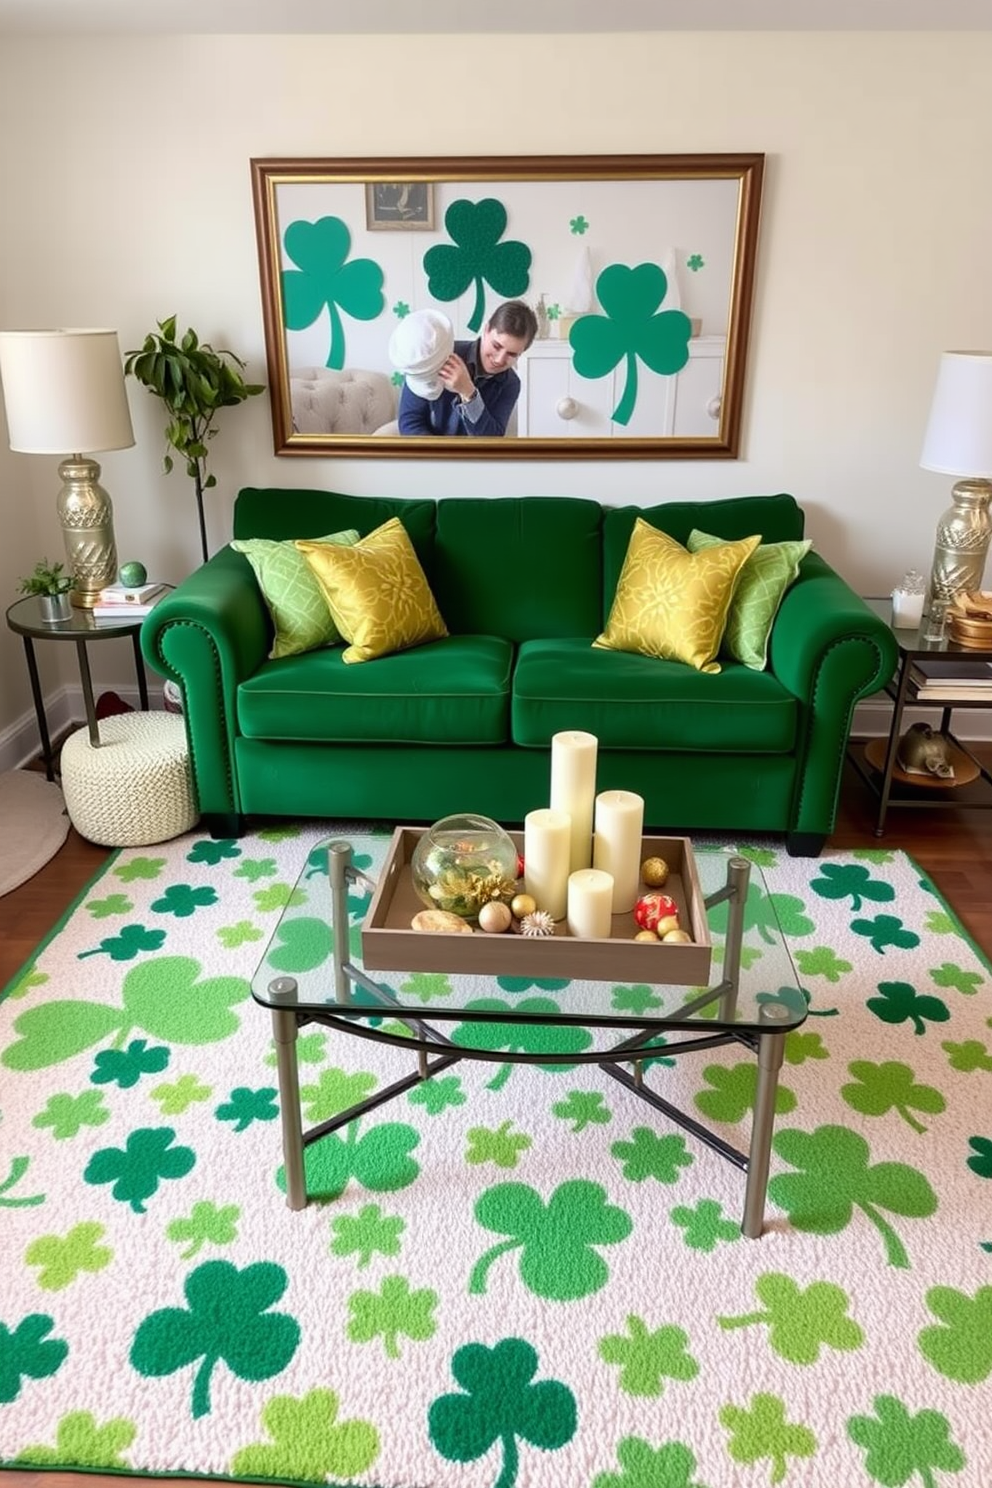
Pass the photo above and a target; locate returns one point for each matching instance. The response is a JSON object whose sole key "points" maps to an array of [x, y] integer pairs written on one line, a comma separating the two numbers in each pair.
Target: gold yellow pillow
{"points": [[377, 593], [671, 603]]}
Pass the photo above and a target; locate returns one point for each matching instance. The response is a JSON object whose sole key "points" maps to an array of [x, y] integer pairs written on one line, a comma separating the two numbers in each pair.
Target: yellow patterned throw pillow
{"points": [[671, 603], [377, 592]]}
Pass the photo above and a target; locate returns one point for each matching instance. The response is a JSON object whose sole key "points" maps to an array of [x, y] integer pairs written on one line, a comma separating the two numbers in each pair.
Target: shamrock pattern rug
{"points": [[511, 1276]]}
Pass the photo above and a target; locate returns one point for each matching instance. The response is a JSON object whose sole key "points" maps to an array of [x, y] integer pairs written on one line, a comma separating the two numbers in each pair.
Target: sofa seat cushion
{"points": [[451, 691], [635, 702]]}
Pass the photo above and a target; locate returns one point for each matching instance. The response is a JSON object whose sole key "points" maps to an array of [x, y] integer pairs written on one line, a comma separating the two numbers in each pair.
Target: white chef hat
{"points": [[419, 347]]}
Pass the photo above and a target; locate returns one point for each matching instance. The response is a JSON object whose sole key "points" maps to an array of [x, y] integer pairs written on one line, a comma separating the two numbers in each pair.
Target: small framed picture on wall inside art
{"points": [[395, 205]]}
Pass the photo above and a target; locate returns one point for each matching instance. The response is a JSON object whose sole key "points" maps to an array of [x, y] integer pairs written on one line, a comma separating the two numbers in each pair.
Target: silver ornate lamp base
{"points": [[963, 535], [87, 518]]}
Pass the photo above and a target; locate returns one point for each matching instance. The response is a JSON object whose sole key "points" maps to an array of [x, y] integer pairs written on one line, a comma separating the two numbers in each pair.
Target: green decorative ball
{"points": [[133, 573]]}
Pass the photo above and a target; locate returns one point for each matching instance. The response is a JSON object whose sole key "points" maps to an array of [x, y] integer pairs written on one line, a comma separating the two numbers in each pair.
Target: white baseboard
{"points": [[20, 742]]}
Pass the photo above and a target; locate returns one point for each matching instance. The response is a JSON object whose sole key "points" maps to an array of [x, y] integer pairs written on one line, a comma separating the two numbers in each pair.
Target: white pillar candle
{"points": [[573, 789], [590, 904], [616, 843], [547, 845]]}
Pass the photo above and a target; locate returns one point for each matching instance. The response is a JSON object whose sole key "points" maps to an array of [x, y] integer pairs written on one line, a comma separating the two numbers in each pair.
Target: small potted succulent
{"points": [[51, 584]]}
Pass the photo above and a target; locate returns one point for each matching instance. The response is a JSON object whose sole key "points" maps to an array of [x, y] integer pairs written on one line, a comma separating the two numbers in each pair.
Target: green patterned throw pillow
{"points": [[290, 589], [765, 577]]}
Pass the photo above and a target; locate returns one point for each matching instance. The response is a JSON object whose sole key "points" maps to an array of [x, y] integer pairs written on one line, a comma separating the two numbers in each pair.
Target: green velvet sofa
{"points": [[465, 723]]}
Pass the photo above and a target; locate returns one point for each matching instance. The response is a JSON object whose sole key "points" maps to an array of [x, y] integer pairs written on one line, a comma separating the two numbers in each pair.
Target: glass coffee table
{"points": [[736, 984]]}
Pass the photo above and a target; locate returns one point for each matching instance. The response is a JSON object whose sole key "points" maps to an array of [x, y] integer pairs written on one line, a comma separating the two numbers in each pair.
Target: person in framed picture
{"points": [[479, 387]]}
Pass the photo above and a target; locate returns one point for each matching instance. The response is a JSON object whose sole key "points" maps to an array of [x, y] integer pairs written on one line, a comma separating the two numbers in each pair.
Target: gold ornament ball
{"points": [[654, 872], [495, 917], [522, 904], [677, 937], [666, 923], [646, 935]]}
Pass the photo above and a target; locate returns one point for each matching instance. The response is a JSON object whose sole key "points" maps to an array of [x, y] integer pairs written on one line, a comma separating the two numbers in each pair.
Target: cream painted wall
{"points": [[126, 190]]}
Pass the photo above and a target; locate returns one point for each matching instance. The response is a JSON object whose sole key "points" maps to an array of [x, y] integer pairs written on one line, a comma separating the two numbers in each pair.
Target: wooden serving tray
{"points": [[389, 944]]}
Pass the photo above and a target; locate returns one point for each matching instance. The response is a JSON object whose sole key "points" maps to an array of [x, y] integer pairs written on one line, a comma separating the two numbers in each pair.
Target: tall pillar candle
{"points": [[618, 829], [573, 789], [547, 845], [590, 904]]}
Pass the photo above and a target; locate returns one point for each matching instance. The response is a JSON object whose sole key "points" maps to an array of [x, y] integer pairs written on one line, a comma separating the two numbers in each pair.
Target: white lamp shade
{"points": [[959, 435], [64, 391]]}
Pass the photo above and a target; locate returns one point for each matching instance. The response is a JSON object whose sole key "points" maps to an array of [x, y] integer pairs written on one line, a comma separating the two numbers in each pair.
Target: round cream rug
{"points": [[35, 825]]}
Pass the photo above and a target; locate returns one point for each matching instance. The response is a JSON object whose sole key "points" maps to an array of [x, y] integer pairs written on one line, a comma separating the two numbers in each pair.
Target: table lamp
{"points": [[64, 390], [959, 442]]}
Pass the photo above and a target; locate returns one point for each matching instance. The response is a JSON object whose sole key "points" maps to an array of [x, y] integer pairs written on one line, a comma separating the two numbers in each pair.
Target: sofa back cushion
{"points": [[289, 514], [775, 518], [522, 567]]}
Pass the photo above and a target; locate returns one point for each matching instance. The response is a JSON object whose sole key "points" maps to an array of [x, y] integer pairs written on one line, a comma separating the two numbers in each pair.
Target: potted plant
{"points": [[194, 382], [52, 585]]}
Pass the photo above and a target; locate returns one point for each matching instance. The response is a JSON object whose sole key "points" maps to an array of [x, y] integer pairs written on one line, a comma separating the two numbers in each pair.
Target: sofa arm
{"points": [[209, 635], [830, 650]]}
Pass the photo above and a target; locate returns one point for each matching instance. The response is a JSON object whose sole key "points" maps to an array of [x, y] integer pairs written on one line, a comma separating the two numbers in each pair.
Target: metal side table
{"points": [[876, 762], [24, 618]]}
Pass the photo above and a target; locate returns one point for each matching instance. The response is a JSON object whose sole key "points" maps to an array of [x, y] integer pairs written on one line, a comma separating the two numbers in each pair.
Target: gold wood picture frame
{"points": [[640, 270]]}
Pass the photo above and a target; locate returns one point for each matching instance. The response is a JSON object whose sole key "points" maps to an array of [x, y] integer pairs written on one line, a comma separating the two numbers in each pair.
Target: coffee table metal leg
{"points": [[338, 862], [738, 879], [284, 1031], [771, 1051]]}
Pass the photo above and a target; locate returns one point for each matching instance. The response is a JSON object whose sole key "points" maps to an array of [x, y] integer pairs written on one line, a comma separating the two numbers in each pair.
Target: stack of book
{"points": [[127, 601], [950, 679]]}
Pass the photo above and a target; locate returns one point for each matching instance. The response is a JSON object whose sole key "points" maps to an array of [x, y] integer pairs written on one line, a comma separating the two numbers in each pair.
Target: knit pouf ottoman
{"points": [[136, 787]]}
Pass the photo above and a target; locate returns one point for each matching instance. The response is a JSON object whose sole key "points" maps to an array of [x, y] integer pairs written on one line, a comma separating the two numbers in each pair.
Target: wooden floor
{"points": [[954, 848]]}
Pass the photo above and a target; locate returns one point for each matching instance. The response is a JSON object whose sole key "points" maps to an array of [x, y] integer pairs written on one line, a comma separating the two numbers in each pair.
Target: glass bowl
{"points": [[462, 862]]}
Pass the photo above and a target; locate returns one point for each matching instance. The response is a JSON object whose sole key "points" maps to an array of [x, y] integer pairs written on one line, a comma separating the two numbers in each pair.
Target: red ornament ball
{"points": [[651, 908], [520, 865]]}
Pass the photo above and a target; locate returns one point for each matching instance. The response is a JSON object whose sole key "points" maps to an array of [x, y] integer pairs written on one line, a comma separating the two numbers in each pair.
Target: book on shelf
{"points": [[950, 679], [121, 594], [952, 669], [130, 611]]}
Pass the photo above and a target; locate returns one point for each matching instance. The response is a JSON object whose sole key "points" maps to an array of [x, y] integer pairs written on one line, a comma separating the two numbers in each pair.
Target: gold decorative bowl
{"points": [[969, 618]]}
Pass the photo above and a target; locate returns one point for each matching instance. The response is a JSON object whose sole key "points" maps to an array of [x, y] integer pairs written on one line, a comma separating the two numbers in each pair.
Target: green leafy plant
{"points": [[48, 578], [194, 382]]}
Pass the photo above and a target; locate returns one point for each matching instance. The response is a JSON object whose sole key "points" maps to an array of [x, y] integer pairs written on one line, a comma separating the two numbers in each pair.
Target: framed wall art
{"points": [[640, 270], [399, 206]]}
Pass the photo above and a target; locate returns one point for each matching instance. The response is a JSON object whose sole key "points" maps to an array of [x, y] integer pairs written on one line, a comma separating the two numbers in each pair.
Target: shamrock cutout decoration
{"points": [[324, 279], [632, 327], [477, 257]]}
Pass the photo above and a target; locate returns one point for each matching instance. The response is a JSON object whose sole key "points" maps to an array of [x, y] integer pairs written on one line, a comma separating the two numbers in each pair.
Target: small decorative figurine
{"points": [[922, 751]]}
